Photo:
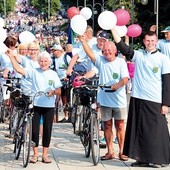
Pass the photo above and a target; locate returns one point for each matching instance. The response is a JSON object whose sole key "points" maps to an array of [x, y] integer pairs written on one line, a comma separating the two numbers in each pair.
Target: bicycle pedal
{"points": [[102, 145]]}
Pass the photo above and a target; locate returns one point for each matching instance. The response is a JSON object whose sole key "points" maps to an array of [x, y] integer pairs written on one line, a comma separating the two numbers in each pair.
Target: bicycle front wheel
{"points": [[18, 144], [95, 138], [87, 139], [27, 141]]}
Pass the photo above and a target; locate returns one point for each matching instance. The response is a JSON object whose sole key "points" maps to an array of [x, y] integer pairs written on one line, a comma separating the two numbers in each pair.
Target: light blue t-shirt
{"points": [[86, 63], [43, 81], [6, 63], [61, 65], [96, 50], [26, 83], [147, 82], [85, 60], [164, 47], [110, 73]]}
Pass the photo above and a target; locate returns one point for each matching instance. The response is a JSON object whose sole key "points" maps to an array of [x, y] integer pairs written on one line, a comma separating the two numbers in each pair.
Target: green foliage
{"points": [[42, 5], [9, 6]]}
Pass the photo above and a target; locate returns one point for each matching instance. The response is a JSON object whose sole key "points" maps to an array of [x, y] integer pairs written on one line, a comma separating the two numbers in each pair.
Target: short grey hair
{"points": [[45, 54]]}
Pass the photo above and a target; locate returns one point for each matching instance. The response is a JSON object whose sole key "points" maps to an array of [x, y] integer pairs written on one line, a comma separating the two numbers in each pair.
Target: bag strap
{"points": [[54, 66], [65, 60]]}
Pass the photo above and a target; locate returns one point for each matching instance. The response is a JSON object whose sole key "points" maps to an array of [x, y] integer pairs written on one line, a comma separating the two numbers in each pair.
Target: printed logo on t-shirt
{"points": [[64, 66], [155, 69], [51, 82], [115, 75]]}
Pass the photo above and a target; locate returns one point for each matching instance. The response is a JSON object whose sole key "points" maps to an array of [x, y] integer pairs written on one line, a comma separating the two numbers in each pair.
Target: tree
{"points": [[42, 5], [9, 6]]}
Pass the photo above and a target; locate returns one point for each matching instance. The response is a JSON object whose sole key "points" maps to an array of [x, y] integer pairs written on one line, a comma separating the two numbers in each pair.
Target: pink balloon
{"points": [[73, 11], [123, 17], [134, 30]]}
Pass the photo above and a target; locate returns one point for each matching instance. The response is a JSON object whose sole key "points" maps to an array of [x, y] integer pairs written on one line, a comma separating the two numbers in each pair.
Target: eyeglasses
{"points": [[33, 49], [22, 49]]}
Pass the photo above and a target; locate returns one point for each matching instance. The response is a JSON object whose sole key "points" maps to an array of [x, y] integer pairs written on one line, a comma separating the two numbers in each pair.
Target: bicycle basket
{"points": [[14, 94], [21, 101]]}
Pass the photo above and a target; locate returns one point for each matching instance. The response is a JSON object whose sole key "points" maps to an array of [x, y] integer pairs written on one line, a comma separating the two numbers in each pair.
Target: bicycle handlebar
{"points": [[95, 86]]}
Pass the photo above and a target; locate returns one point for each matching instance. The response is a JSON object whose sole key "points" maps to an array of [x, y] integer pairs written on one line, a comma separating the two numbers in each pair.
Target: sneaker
{"points": [[103, 140], [116, 140], [140, 164]]}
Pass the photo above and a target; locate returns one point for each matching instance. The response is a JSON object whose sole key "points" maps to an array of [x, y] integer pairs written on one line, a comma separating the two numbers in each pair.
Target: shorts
{"points": [[107, 113]]}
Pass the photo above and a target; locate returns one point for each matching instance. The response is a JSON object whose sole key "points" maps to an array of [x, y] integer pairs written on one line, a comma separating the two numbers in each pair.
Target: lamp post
{"points": [[156, 11], [49, 8], [84, 3], [4, 8]]}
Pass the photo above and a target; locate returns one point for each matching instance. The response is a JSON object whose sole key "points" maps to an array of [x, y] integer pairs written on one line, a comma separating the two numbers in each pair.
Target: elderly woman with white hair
{"points": [[46, 80]]}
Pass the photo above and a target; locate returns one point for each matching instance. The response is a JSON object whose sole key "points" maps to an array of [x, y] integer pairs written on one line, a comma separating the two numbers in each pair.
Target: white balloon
{"points": [[144, 2], [2, 22], [107, 20], [3, 48], [26, 37], [86, 13], [121, 30], [3, 34], [78, 24]]}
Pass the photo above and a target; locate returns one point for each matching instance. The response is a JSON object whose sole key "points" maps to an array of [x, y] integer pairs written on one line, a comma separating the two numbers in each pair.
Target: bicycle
{"points": [[5, 102], [23, 135], [23, 132], [89, 119]]}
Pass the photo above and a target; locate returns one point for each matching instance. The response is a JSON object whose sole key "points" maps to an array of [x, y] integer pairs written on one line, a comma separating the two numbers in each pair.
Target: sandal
{"points": [[46, 159], [123, 157], [34, 159], [108, 156]]}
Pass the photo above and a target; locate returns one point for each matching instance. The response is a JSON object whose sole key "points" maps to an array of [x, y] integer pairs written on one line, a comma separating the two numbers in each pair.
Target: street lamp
{"points": [[4, 8], [49, 10], [156, 11]]}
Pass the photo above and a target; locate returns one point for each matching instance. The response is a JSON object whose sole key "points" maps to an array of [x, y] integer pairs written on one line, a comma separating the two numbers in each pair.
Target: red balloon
{"points": [[73, 11], [134, 30], [123, 17]]}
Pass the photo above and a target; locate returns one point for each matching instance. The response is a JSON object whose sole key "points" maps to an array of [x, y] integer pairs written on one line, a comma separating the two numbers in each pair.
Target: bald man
{"points": [[112, 72]]}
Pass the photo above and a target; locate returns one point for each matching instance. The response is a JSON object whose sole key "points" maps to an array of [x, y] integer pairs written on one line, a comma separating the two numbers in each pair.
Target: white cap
{"points": [[57, 47]]}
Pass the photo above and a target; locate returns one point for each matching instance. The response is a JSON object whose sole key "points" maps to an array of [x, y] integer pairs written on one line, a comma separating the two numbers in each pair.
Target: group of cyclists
{"points": [[49, 68]]}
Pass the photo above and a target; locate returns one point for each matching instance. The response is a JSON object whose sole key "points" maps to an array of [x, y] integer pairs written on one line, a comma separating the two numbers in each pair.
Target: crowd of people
{"points": [[145, 138]]}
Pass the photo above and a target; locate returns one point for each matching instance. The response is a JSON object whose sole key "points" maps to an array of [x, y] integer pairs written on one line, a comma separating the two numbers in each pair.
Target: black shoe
{"points": [[68, 120], [140, 164], [64, 120]]}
